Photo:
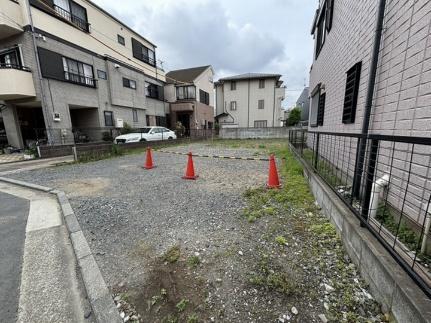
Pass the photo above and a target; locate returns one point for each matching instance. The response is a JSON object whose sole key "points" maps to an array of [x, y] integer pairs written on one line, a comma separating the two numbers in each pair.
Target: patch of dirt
{"points": [[171, 291], [83, 187]]}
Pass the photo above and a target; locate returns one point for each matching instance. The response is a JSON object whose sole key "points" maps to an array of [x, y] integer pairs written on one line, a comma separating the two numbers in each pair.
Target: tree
{"points": [[294, 116]]}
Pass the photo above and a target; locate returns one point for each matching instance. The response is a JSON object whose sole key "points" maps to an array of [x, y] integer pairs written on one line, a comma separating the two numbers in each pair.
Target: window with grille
{"points": [[261, 84], [204, 97], [321, 109], [233, 105], [261, 104], [260, 124], [351, 93], [233, 86], [109, 118], [135, 115]]}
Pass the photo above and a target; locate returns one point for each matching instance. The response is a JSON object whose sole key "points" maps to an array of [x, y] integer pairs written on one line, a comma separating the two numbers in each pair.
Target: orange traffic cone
{"points": [[273, 181], [149, 160], [190, 171]]}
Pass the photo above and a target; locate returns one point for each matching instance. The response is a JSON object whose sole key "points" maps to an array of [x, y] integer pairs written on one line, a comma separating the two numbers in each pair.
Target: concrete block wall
{"points": [[249, 133], [389, 283]]}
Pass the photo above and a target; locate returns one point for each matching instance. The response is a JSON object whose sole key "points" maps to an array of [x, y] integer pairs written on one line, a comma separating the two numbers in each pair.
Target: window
{"points": [[204, 97], [10, 58], [321, 31], [72, 12], [260, 124], [186, 92], [261, 104], [351, 93], [321, 109], [109, 118], [129, 83], [101, 75], [161, 122], [143, 53], [154, 91], [135, 115], [261, 84], [233, 86], [121, 40], [78, 72], [329, 14], [314, 107], [233, 105], [147, 120]]}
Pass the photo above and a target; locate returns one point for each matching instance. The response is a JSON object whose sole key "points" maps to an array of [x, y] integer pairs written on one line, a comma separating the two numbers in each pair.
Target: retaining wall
{"points": [[389, 283], [253, 133]]}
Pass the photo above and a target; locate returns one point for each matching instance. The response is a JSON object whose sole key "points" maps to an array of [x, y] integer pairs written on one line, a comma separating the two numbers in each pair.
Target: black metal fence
{"points": [[389, 191]]}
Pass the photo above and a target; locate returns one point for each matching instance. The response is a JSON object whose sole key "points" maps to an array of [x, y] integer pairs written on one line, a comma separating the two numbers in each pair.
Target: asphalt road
{"points": [[13, 219]]}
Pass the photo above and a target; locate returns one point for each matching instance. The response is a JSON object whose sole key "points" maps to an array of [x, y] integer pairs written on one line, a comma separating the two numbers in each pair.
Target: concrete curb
{"points": [[100, 298], [211, 156]]}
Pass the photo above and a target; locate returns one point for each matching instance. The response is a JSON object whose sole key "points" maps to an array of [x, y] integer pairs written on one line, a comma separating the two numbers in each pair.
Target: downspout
{"points": [[375, 194], [362, 144], [39, 74]]}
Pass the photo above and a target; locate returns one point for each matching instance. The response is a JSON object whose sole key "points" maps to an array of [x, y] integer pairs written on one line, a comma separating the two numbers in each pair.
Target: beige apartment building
{"points": [[70, 71], [251, 100], [190, 93]]}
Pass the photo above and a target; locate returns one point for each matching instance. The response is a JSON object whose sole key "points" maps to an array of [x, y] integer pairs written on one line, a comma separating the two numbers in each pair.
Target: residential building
{"points": [[370, 116], [69, 68], [344, 34], [250, 100], [303, 103], [190, 92]]}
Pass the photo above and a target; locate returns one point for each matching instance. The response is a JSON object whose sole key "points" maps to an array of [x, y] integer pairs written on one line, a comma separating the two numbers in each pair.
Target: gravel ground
{"points": [[173, 250]]}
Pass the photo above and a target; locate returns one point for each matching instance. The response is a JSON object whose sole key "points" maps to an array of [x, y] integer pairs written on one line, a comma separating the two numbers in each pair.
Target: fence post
{"points": [[316, 150], [302, 142], [75, 155], [371, 169]]}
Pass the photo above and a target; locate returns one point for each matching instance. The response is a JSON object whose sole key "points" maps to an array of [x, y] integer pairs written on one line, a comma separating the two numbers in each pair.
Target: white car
{"points": [[146, 134]]}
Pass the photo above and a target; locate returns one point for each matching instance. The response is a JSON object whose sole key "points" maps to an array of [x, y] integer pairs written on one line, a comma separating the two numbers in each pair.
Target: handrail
{"points": [[15, 67], [79, 22]]}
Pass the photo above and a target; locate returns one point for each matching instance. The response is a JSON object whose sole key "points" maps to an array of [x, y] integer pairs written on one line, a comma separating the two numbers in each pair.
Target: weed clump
{"points": [[172, 255], [193, 261], [181, 306]]}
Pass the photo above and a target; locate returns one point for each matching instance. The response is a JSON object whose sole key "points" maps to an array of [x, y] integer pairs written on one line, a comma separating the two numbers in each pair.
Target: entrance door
{"points": [[184, 118]]}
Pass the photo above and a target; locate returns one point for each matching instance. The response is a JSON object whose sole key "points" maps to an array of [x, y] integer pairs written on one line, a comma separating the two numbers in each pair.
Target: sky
{"points": [[234, 36]]}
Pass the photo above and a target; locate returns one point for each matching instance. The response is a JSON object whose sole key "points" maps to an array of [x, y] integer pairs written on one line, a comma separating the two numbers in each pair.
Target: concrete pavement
{"points": [[51, 289], [13, 219], [17, 167]]}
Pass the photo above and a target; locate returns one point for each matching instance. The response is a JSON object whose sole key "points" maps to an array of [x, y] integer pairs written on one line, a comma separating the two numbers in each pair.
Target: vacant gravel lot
{"points": [[173, 250]]}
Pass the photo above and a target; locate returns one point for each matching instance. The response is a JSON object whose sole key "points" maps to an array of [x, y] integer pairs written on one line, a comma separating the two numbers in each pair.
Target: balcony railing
{"points": [[80, 79], [77, 21], [149, 60], [15, 67]]}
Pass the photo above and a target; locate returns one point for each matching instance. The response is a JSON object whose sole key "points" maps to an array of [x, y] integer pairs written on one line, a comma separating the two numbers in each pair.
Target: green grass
{"points": [[193, 261], [172, 255], [182, 305]]}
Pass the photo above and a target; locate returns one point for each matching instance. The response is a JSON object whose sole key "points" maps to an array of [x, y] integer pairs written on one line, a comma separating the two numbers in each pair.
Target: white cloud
{"points": [[234, 37]]}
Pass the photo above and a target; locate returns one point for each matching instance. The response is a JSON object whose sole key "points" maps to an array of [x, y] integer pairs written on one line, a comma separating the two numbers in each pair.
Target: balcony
{"points": [[77, 21], [16, 82], [10, 22], [182, 107]]}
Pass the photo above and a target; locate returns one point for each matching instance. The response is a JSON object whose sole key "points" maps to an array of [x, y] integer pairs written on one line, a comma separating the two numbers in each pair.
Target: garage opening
{"points": [[85, 124]]}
